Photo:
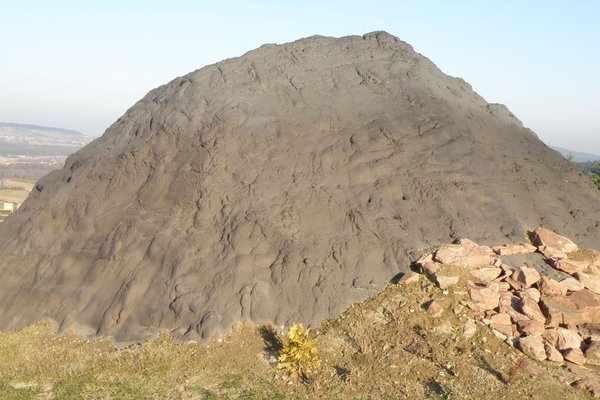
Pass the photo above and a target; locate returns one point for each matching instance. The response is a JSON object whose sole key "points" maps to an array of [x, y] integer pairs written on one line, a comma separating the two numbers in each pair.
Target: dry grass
{"points": [[582, 255], [387, 347], [39, 364]]}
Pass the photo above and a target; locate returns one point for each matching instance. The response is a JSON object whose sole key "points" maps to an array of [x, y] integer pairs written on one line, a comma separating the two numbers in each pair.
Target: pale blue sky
{"points": [[81, 64]]}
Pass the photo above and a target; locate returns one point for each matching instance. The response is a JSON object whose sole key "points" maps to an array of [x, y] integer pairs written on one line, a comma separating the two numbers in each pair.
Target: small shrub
{"points": [[514, 369], [595, 176], [452, 391], [528, 233], [298, 356]]}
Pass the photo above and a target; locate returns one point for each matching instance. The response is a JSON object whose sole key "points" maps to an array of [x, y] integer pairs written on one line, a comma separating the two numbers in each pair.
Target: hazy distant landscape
{"points": [[30, 151], [577, 156], [34, 139]]}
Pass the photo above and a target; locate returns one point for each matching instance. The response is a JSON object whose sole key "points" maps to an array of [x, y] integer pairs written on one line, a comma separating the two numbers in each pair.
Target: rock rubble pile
{"points": [[554, 318]]}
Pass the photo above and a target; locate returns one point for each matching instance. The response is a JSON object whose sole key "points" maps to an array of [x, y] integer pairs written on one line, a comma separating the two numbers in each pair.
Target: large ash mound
{"points": [[280, 186]]}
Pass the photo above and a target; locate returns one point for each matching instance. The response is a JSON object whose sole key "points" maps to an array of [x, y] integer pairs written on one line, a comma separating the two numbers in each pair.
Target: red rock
{"points": [[532, 293], [526, 276], [514, 284], [533, 347], [545, 237], [408, 278], [499, 334], [572, 284], [551, 253], [551, 336], [507, 297], [574, 309], [502, 323], [533, 368], [513, 249], [458, 309], [531, 327], [427, 265], [531, 309], [567, 339], [506, 268], [508, 304], [552, 354], [469, 329], [435, 309], [589, 281], [594, 261], [517, 316], [590, 385], [464, 255], [581, 264], [485, 298], [551, 287], [590, 332], [593, 353], [568, 266], [444, 281], [487, 274], [503, 286], [576, 356]]}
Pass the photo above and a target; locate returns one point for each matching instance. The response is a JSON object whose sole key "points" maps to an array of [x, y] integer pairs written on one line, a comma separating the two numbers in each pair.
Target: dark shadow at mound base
{"points": [[273, 344]]}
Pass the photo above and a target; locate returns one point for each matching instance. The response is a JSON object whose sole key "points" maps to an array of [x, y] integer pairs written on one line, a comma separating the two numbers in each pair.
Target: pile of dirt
{"points": [[284, 185]]}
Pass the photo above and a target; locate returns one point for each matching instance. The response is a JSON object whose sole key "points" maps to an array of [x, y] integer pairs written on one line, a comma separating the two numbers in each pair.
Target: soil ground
{"points": [[387, 347]]}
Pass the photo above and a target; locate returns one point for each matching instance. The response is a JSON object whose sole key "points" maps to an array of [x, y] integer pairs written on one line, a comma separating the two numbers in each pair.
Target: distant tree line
{"points": [[591, 169], [29, 171], [8, 149]]}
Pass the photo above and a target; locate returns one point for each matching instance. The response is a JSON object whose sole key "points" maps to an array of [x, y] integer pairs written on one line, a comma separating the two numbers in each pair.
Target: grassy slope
{"points": [[386, 347]]}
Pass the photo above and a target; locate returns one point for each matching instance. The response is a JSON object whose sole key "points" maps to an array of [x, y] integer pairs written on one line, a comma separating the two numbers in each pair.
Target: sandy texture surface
{"points": [[280, 186]]}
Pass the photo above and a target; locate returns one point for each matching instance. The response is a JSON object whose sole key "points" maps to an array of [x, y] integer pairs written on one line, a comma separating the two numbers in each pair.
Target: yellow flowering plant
{"points": [[298, 356]]}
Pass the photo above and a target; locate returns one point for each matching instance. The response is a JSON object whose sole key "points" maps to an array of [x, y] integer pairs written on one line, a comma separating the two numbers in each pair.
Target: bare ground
{"points": [[387, 347]]}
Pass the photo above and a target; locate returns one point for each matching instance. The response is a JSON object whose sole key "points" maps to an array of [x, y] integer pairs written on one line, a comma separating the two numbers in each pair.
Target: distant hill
{"points": [[588, 166], [577, 155], [33, 140]]}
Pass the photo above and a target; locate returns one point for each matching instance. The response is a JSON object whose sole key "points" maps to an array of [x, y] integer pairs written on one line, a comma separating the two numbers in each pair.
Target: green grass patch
{"points": [[232, 381], [17, 392]]}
